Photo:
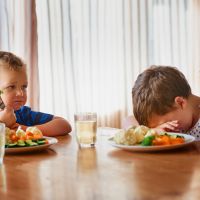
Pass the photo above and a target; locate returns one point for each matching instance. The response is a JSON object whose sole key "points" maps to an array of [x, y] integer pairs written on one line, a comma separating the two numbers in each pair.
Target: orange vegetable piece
{"points": [[37, 136], [13, 137], [29, 136], [167, 140], [177, 140], [161, 140]]}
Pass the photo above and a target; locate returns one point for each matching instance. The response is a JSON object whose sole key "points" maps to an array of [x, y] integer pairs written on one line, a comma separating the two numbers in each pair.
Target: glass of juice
{"points": [[2, 142], [86, 128]]}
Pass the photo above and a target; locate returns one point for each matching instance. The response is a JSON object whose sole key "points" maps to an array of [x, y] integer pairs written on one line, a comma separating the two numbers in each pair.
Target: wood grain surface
{"points": [[64, 171]]}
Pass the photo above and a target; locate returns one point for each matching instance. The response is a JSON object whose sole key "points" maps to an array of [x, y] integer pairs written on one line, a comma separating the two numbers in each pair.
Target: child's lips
{"points": [[18, 103]]}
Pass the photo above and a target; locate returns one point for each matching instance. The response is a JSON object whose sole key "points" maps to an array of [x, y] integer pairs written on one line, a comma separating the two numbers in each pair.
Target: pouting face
{"points": [[14, 85]]}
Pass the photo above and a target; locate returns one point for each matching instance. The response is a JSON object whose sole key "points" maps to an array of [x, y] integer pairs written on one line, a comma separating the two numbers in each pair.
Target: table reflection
{"points": [[3, 180], [86, 159]]}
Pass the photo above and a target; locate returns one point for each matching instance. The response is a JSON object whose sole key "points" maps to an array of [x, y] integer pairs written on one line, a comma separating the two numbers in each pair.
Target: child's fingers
{"points": [[14, 126], [169, 126], [9, 110], [173, 126], [173, 123]]}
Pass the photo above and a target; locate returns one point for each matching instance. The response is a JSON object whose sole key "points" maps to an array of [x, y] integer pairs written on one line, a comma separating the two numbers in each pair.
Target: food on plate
{"points": [[133, 135], [163, 139], [20, 138], [34, 133], [142, 135]]}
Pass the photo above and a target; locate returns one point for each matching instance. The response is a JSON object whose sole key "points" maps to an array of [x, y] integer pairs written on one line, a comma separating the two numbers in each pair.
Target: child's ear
{"points": [[180, 102]]}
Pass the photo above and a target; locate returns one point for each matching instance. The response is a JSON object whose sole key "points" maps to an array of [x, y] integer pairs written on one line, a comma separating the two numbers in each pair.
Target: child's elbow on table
{"points": [[58, 126], [63, 125]]}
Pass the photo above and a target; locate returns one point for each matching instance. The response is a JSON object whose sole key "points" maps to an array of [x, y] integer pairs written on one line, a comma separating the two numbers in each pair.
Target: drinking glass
{"points": [[86, 128], [2, 142]]}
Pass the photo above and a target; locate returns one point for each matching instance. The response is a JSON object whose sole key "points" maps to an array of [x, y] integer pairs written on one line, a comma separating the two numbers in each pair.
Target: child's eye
{"points": [[11, 87], [24, 87]]}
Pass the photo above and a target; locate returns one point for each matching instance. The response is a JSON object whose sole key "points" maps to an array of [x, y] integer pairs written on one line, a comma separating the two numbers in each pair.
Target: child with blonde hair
{"points": [[13, 112]]}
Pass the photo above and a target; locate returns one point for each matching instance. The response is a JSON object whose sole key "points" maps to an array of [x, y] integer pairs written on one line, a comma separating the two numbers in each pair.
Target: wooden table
{"points": [[66, 172]]}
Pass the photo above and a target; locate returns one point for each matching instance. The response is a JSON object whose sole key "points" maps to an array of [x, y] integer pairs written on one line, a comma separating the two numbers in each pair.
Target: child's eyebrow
{"points": [[10, 83], [3, 87]]}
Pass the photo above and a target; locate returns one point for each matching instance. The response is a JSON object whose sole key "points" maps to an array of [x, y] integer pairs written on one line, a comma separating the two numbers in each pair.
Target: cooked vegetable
{"points": [[167, 139], [20, 138], [41, 142], [133, 135], [142, 135], [30, 143], [148, 140], [21, 143], [12, 144]]}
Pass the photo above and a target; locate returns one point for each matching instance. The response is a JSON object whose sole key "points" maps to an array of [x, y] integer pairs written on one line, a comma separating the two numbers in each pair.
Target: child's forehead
{"points": [[7, 73], [6, 67]]}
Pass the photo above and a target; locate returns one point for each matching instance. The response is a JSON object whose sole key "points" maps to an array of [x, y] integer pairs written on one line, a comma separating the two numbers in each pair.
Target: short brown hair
{"points": [[11, 60], [155, 90]]}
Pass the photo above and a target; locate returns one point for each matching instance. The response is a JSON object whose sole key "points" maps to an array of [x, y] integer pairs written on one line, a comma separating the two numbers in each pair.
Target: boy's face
{"points": [[182, 114], [13, 84]]}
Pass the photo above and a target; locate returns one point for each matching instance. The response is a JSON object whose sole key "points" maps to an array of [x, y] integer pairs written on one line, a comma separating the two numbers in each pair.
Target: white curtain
{"points": [[91, 51], [18, 35]]}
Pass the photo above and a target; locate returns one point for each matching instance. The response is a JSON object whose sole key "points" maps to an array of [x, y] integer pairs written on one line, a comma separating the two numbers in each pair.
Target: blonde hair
{"points": [[11, 60]]}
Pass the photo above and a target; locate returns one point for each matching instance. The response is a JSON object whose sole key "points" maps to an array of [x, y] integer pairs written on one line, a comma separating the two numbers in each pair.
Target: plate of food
{"points": [[31, 140], [144, 139]]}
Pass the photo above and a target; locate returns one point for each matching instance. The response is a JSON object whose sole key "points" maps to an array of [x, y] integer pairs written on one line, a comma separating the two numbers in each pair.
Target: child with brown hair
{"points": [[162, 98], [13, 86]]}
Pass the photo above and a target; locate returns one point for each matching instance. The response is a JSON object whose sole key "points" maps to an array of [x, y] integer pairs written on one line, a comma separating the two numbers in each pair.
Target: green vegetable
{"points": [[41, 142], [148, 140], [26, 143], [179, 136], [41, 139], [12, 144], [30, 143], [21, 143]]}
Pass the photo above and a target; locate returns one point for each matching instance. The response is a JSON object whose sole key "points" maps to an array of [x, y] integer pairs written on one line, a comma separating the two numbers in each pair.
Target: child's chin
{"points": [[17, 107]]}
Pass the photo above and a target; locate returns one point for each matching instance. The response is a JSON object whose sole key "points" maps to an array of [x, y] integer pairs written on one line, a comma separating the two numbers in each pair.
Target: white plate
{"points": [[51, 141], [188, 140]]}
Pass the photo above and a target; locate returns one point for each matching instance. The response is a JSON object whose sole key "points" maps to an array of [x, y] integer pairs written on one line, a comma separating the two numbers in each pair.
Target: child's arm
{"points": [[57, 126], [171, 126]]}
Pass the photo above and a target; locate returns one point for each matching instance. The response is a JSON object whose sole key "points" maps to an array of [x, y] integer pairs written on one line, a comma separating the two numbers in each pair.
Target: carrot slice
{"points": [[161, 140], [177, 140]]}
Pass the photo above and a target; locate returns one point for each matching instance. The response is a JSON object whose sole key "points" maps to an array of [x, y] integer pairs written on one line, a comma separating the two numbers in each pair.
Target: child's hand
{"points": [[16, 125], [8, 117], [171, 126]]}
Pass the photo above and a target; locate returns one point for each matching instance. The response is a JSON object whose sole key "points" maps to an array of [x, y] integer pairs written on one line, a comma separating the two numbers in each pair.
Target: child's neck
{"points": [[195, 100]]}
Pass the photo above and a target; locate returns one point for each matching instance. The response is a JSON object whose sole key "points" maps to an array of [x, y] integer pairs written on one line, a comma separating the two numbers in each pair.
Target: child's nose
{"points": [[19, 92]]}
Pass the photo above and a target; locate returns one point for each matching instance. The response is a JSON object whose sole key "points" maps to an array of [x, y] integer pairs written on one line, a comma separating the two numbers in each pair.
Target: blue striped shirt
{"points": [[25, 116]]}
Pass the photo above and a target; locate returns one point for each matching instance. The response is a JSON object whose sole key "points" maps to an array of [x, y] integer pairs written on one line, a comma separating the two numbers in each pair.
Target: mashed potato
{"points": [[133, 135]]}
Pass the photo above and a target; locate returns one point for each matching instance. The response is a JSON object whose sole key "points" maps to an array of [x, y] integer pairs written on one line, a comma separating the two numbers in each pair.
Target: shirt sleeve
{"points": [[27, 117]]}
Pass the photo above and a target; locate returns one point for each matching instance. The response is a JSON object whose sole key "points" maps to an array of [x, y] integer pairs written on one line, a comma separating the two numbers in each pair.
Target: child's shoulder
{"points": [[195, 130]]}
